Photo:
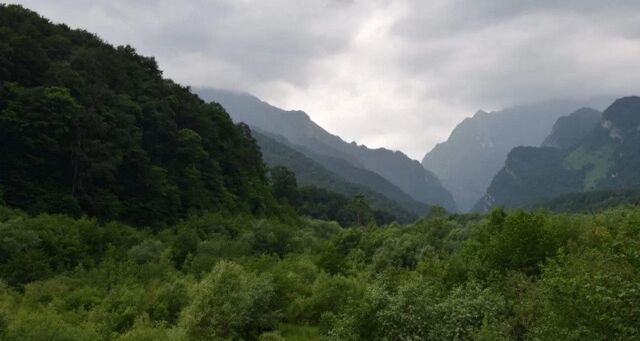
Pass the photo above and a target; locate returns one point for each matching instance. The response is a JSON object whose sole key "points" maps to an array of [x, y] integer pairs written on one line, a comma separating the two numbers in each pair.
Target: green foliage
{"points": [[284, 185], [503, 276], [115, 140], [591, 294], [591, 201], [324, 204], [47, 325], [229, 303]]}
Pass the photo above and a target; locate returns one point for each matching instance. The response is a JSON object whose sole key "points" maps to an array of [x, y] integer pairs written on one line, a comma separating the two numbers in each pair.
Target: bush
{"points": [[230, 303]]}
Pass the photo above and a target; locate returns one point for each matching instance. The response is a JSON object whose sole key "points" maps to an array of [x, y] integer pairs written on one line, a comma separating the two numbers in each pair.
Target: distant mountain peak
{"points": [[622, 116], [480, 113], [477, 148]]}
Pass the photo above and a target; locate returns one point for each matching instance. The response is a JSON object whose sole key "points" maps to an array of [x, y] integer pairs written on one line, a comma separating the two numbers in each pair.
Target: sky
{"points": [[395, 74]]}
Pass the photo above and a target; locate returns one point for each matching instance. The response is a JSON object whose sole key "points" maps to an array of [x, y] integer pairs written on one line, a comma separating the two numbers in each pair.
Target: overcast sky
{"points": [[399, 74]]}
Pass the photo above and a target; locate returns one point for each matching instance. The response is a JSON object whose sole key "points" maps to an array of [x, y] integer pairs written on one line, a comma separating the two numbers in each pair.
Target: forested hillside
{"points": [[571, 129], [86, 128], [277, 152], [595, 201]]}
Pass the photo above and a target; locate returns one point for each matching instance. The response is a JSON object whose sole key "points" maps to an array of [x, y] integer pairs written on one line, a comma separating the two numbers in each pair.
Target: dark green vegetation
{"points": [[516, 276], [335, 154], [571, 129], [605, 158], [590, 201], [478, 147], [88, 128], [320, 203], [278, 153]]}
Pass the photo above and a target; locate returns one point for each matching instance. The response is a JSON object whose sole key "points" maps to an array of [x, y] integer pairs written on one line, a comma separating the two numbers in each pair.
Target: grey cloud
{"points": [[393, 73], [506, 52]]}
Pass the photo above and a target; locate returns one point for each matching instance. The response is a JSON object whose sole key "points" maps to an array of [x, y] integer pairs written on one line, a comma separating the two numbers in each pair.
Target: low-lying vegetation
{"points": [[503, 276]]}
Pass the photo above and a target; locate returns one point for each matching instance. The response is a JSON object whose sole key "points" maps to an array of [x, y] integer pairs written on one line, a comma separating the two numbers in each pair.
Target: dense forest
{"points": [[503, 276], [130, 209], [88, 128]]}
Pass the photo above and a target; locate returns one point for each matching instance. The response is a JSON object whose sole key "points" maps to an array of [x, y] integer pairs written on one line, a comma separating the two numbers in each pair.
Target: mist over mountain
{"points": [[300, 130], [477, 148], [606, 158]]}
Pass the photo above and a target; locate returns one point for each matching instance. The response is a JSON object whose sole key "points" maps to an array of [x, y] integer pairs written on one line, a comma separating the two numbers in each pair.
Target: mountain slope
{"points": [[569, 130], [276, 151], [606, 158], [477, 148], [86, 128], [300, 130]]}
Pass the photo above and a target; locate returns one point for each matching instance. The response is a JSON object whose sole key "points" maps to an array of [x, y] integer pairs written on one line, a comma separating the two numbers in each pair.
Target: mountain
{"points": [[477, 148], [90, 129], [366, 178], [569, 130], [302, 132], [606, 158], [277, 151]]}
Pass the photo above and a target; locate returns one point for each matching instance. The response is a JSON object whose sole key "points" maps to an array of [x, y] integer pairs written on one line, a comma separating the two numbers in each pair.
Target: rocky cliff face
{"points": [[477, 148]]}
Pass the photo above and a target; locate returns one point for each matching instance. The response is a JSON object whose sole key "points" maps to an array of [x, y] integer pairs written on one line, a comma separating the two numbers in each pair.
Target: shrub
{"points": [[229, 303]]}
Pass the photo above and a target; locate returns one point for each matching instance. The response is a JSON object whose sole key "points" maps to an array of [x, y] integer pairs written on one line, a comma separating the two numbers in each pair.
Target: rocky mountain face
{"points": [[607, 157], [311, 139], [477, 148]]}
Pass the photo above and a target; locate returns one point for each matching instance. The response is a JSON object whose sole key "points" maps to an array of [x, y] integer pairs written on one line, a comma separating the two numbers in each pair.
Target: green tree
{"points": [[357, 212], [230, 303], [285, 185]]}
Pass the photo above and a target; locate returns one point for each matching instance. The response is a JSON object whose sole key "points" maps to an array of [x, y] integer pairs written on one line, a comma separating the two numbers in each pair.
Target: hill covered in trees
{"points": [[571, 129], [86, 128], [595, 201], [276, 151]]}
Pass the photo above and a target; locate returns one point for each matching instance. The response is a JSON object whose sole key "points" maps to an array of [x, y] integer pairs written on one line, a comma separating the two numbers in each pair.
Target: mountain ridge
{"points": [[300, 130], [568, 130], [478, 146], [276, 151], [606, 158]]}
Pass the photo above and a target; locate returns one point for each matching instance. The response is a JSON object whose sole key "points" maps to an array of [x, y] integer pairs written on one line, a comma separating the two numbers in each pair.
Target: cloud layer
{"points": [[399, 74]]}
